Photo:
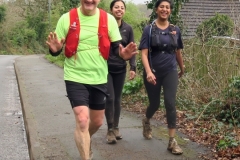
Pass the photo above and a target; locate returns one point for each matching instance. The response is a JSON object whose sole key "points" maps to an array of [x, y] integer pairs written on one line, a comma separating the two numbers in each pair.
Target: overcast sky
{"points": [[138, 1]]}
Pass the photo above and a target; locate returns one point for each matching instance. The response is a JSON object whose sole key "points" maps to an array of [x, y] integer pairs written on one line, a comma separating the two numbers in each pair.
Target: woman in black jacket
{"points": [[117, 73]]}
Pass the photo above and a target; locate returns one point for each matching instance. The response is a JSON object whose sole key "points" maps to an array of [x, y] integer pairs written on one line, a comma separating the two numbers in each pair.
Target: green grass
{"points": [[59, 60]]}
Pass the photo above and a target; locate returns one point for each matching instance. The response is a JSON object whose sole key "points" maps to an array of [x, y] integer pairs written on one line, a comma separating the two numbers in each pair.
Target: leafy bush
{"points": [[2, 13], [2, 18], [133, 16], [30, 36], [230, 113], [68, 4], [20, 35], [219, 25], [132, 86], [37, 23], [228, 141], [140, 66]]}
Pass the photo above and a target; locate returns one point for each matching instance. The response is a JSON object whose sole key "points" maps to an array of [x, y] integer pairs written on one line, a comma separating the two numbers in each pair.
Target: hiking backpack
{"points": [[154, 40], [72, 39]]}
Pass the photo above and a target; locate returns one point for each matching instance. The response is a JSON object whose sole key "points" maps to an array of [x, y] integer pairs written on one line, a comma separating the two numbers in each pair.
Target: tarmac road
{"points": [[13, 142], [50, 122]]}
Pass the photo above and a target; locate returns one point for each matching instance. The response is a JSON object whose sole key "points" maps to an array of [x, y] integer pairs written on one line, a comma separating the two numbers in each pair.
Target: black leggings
{"points": [[169, 82], [113, 103]]}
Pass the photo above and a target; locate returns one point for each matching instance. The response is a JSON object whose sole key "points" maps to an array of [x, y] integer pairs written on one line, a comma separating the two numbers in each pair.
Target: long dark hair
{"points": [[114, 1], [160, 1]]}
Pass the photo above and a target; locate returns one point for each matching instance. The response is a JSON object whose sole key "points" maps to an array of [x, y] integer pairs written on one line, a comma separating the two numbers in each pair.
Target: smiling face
{"points": [[118, 10], [163, 10], [88, 7]]}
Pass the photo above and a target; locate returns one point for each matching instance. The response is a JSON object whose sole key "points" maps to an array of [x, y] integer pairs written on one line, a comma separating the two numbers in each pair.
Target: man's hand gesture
{"points": [[53, 43], [129, 51]]}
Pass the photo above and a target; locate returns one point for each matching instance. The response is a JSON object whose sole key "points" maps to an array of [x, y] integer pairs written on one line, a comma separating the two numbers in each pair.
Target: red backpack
{"points": [[73, 35]]}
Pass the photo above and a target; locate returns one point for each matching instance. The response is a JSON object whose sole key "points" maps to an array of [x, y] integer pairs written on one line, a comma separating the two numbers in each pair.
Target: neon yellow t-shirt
{"points": [[89, 67]]}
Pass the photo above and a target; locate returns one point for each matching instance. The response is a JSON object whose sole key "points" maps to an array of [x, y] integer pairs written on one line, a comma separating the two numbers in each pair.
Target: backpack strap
{"points": [[103, 38], [172, 27], [172, 33], [151, 30], [73, 35]]}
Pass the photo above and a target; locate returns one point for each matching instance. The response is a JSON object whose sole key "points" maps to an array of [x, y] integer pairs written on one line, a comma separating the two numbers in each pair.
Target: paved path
{"points": [[13, 142], [50, 122]]}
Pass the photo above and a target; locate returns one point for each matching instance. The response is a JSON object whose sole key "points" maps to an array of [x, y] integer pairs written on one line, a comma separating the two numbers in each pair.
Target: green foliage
{"points": [[2, 19], [132, 16], [68, 4], [235, 83], [59, 60], [4, 52], [140, 66], [219, 25], [23, 40], [36, 22], [30, 32], [230, 113], [132, 86], [141, 25], [105, 5], [2, 13], [227, 142], [21, 35]]}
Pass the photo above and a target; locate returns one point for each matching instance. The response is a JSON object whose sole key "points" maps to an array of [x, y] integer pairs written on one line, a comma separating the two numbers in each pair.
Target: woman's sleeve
{"points": [[179, 39], [144, 42]]}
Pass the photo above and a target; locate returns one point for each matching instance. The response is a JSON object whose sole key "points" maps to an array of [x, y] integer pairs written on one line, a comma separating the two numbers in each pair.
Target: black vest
{"points": [[155, 38]]}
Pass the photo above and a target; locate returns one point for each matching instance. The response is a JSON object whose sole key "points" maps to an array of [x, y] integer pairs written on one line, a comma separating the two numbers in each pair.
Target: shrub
{"points": [[219, 25], [132, 86], [230, 113], [2, 13]]}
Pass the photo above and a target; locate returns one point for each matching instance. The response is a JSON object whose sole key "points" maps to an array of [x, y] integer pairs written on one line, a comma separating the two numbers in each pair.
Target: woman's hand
{"points": [[180, 74], [132, 75], [151, 78]]}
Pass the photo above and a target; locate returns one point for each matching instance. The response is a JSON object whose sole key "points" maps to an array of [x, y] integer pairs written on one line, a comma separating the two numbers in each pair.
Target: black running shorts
{"points": [[93, 96]]}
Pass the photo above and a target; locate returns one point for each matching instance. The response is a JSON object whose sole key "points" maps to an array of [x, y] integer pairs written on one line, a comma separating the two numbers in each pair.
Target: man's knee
{"points": [[82, 117], [82, 122], [96, 118], [97, 122]]}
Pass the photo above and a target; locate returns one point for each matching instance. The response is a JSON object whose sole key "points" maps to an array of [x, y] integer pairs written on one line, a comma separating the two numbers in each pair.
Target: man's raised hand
{"points": [[53, 43], [129, 51]]}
